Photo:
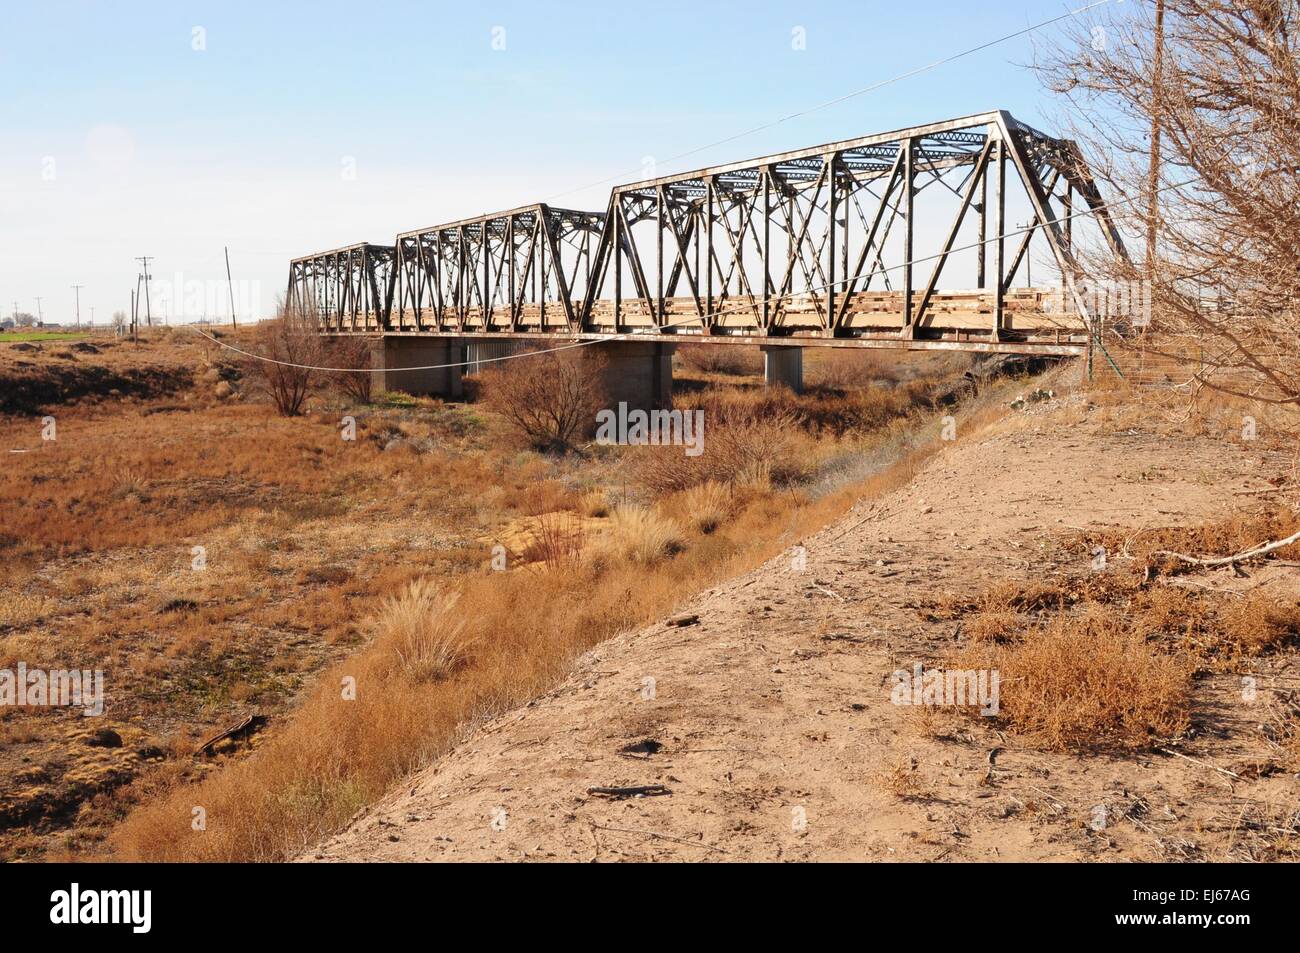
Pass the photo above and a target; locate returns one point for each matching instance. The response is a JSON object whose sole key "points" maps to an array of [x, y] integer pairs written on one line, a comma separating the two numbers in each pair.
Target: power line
{"points": [[713, 314]]}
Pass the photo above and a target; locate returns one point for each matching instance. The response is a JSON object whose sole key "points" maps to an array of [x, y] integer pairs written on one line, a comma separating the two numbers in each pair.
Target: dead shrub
{"points": [[994, 626], [816, 411], [1174, 614], [288, 348], [902, 779], [551, 400], [845, 370], [733, 451], [350, 351], [735, 359], [1258, 623], [1227, 537], [1084, 683]]}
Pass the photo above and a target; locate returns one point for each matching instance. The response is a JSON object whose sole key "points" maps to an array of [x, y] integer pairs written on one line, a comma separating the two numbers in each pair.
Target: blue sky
{"points": [[278, 128]]}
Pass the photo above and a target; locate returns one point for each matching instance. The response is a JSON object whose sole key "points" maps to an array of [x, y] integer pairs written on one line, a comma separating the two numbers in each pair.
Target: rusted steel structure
{"points": [[346, 289], [529, 268], [820, 246]]}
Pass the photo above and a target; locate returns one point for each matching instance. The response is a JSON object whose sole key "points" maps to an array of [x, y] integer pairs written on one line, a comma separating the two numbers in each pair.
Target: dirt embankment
{"points": [[769, 723], [37, 377]]}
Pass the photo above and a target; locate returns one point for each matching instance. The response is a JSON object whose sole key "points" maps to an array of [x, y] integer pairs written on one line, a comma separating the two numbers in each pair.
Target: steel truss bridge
{"points": [[819, 246]]}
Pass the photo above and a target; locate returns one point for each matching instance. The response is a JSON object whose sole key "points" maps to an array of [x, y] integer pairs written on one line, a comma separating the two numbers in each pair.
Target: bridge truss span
{"points": [[912, 237]]}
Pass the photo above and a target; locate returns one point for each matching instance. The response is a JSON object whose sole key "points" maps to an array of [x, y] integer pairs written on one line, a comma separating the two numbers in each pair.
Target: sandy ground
{"points": [[770, 721]]}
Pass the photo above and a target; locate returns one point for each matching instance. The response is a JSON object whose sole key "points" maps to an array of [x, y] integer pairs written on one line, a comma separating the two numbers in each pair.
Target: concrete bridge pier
{"points": [[391, 354], [479, 352], [638, 372], [783, 364]]}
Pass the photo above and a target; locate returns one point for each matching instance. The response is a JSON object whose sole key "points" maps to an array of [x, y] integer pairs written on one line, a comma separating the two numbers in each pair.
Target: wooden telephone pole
{"points": [[230, 287]]}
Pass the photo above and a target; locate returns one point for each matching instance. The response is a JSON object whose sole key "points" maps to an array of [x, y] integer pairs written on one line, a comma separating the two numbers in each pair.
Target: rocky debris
{"points": [[1033, 397]]}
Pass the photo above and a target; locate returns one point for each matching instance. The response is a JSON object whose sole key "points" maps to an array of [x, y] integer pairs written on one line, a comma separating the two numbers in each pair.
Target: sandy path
{"points": [[775, 708]]}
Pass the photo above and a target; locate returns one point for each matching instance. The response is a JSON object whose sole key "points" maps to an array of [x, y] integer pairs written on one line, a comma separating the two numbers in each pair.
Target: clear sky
{"points": [[278, 128]]}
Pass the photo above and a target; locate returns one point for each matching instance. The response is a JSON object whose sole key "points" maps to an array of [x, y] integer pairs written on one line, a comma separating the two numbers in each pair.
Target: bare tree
{"points": [[288, 349], [352, 352], [1197, 139], [551, 399]]}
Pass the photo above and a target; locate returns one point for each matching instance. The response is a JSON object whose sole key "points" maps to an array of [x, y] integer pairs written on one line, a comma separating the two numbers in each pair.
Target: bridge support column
{"points": [[783, 364], [392, 354], [638, 372], [479, 351]]}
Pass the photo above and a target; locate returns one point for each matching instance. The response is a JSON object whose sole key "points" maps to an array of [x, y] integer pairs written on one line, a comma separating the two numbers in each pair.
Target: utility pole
{"points": [[40, 315], [144, 260], [230, 287], [1153, 169], [77, 289]]}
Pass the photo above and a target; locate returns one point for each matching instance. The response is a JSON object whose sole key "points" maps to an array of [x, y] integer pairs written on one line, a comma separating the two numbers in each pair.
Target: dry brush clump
{"points": [[1087, 682], [704, 507], [423, 632], [558, 541], [1157, 550], [732, 359], [638, 536], [550, 399], [288, 351], [1106, 660], [351, 354], [818, 411], [736, 449]]}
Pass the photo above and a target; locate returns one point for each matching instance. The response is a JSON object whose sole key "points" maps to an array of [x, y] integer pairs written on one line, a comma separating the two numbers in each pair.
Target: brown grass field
{"points": [[217, 560]]}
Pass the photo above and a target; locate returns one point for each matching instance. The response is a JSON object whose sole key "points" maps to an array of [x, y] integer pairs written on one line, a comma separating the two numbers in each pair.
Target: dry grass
{"points": [[306, 537], [1258, 623], [1227, 537], [770, 451], [1087, 683], [902, 779], [1105, 660], [703, 508], [639, 536], [595, 502], [728, 359], [558, 541], [423, 632]]}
